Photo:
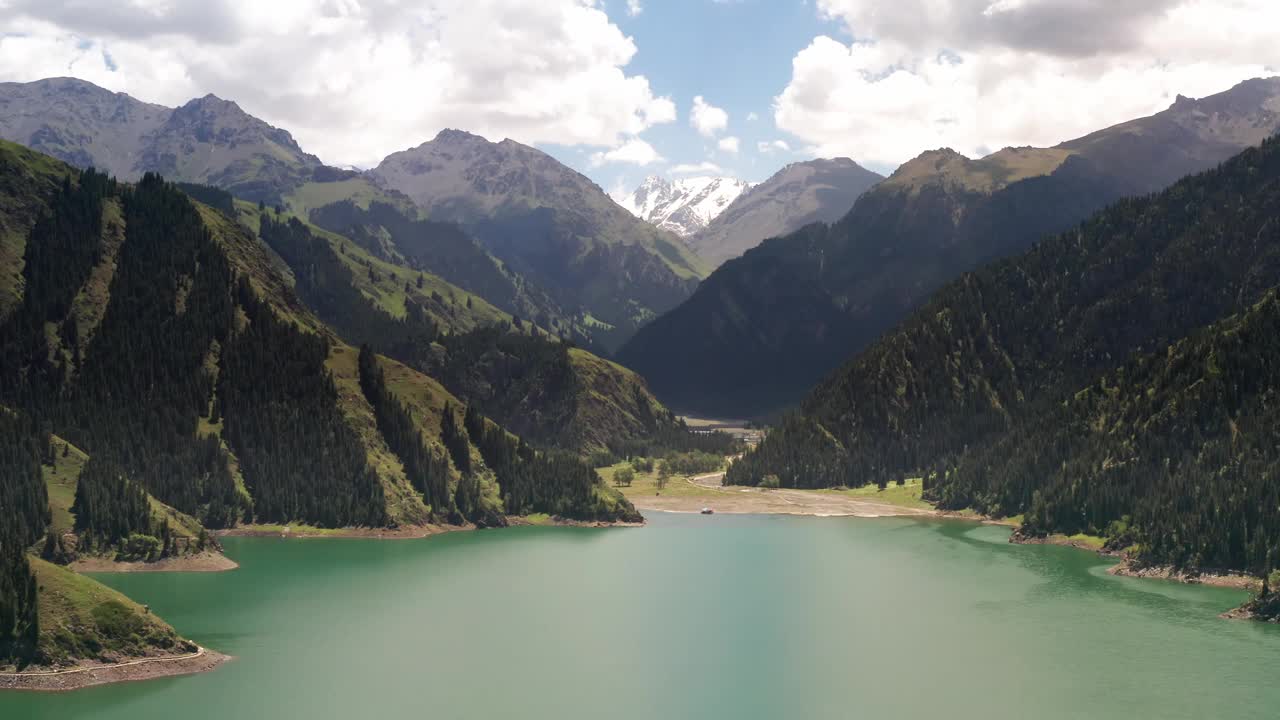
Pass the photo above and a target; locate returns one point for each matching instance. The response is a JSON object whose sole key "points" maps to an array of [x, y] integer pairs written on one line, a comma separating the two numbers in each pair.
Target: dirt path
{"points": [[738, 500], [199, 653], [89, 675]]}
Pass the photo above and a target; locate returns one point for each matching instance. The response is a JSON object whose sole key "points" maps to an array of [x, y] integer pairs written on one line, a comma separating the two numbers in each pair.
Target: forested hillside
{"points": [[156, 335], [48, 614], [446, 250], [547, 392], [791, 310], [24, 512], [519, 374], [1074, 383]]}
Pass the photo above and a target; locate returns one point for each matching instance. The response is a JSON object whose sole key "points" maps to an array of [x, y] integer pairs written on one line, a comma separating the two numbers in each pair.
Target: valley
{"points": [[932, 417]]}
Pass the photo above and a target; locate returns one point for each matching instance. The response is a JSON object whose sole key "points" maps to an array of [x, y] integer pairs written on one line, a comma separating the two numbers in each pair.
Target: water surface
{"points": [[691, 617]]}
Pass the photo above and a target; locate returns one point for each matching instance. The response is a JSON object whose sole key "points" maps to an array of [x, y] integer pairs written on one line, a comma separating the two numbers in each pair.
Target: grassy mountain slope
{"points": [[244, 405], [62, 477], [522, 377], [937, 216], [390, 231], [82, 619], [613, 404], [387, 285], [981, 389], [551, 225], [27, 180], [50, 615]]}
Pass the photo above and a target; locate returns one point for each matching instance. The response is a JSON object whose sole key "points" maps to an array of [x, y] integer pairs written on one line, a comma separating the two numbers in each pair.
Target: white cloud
{"points": [[729, 144], [977, 75], [619, 191], [752, 117], [634, 7], [702, 168], [768, 148], [355, 80], [633, 152], [706, 118]]}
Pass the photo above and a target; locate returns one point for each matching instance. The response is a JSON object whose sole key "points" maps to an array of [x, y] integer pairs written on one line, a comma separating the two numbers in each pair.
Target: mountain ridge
{"points": [[206, 140], [550, 224], [939, 215], [685, 205], [799, 194], [1115, 380], [559, 248]]}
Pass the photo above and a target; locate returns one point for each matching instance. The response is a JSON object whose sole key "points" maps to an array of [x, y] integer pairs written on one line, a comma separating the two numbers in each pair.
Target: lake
{"points": [[691, 617]]}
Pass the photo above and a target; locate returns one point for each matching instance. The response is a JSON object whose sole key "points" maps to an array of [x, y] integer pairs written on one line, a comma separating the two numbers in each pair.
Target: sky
{"points": [[622, 89]]}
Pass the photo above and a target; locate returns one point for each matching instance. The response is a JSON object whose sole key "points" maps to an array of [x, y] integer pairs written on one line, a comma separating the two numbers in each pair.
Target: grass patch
{"points": [[29, 180], [61, 481], [538, 519], [646, 485], [448, 305], [1093, 542], [907, 495], [81, 618], [984, 175], [292, 529], [404, 504]]}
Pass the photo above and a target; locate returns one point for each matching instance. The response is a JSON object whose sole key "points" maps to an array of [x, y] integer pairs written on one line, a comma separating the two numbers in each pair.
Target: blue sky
{"points": [[736, 55]]}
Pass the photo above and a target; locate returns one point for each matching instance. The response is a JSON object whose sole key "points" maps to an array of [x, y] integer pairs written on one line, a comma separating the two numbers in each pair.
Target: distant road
{"points": [[145, 661]]}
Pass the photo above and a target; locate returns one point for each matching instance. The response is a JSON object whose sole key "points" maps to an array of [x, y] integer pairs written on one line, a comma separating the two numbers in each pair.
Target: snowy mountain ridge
{"points": [[683, 206]]}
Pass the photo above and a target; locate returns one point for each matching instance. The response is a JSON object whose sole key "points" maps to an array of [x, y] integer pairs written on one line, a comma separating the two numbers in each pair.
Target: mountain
{"points": [[795, 307], [392, 229], [551, 225], [167, 301], [527, 379], [1117, 380], [683, 206], [207, 140], [190, 384], [502, 220], [797, 195]]}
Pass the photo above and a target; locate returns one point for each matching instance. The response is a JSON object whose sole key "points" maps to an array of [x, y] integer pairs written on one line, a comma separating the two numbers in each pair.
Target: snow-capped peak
{"points": [[683, 206]]}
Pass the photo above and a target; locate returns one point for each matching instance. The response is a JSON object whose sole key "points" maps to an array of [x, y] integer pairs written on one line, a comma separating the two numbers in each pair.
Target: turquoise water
{"points": [[691, 617]]}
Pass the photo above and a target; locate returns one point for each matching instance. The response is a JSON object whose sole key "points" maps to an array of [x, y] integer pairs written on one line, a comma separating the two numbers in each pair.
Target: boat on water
{"points": [[708, 511]]}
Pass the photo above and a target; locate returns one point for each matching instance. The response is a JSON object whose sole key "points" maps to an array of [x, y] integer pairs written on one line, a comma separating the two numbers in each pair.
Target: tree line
{"points": [[24, 513], [1043, 384], [183, 356]]}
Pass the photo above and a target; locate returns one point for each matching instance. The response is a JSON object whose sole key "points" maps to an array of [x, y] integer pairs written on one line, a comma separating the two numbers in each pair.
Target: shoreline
{"points": [[705, 491], [817, 503], [1127, 566], [1212, 578], [201, 562], [90, 675], [404, 532]]}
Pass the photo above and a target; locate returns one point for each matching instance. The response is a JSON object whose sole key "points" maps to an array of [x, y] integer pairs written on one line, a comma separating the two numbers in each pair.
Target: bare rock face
{"points": [[799, 194], [208, 140], [1152, 153]]}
